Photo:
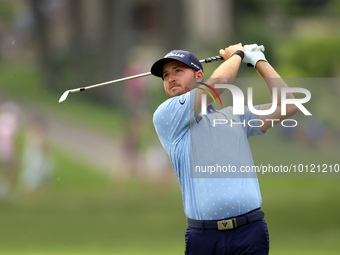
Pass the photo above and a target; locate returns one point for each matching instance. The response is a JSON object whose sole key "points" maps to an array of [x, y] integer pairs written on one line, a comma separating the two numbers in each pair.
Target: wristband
{"points": [[239, 53]]}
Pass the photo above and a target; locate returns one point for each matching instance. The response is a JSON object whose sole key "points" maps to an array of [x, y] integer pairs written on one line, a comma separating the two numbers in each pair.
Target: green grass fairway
{"points": [[148, 219]]}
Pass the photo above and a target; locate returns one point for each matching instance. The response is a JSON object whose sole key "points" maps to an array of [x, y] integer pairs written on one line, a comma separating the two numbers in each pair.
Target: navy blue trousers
{"points": [[252, 238]]}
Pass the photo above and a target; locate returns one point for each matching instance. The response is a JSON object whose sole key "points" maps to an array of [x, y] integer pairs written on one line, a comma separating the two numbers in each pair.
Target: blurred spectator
{"points": [[135, 90], [131, 148], [135, 98], [9, 112], [314, 129], [37, 167]]}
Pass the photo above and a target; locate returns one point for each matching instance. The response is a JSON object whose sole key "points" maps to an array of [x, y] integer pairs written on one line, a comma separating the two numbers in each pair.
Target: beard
{"points": [[177, 93]]}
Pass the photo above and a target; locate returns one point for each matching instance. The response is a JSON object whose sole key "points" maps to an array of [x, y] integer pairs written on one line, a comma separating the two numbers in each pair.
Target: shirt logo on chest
{"points": [[182, 99]]}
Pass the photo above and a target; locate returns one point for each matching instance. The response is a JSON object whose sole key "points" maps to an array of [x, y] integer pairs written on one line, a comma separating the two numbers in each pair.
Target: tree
{"points": [[45, 54]]}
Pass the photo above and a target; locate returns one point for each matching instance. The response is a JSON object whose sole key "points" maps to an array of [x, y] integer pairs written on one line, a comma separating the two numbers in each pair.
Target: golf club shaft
{"points": [[206, 60], [115, 81], [64, 96]]}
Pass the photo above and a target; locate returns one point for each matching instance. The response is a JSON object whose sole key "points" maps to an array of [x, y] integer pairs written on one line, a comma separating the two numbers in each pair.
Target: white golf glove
{"points": [[253, 54]]}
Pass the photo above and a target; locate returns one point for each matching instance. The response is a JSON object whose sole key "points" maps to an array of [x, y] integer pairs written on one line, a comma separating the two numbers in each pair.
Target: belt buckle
{"points": [[227, 224]]}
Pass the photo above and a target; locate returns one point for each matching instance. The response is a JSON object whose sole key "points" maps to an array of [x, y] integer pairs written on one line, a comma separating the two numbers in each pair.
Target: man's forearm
{"points": [[273, 79], [224, 74]]}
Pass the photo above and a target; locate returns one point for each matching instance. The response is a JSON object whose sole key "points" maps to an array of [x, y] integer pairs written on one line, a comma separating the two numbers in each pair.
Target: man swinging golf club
{"points": [[224, 214]]}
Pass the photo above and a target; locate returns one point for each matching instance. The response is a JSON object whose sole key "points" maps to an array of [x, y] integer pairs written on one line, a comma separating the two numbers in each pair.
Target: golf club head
{"points": [[64, 96]]}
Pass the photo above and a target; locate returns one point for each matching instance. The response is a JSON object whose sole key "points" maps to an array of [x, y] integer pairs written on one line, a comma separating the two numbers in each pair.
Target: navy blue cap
{"points": [[180, 55]]}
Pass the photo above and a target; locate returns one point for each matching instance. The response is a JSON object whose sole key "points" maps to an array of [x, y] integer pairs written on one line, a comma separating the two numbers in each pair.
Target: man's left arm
{"points": [[273, 80]]}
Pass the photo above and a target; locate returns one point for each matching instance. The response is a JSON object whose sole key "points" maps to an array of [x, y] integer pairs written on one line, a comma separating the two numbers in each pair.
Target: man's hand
{"points": [[229, 51], [252, 54]]}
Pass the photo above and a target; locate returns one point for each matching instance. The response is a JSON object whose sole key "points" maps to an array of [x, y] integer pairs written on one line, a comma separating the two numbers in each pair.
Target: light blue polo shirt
{"points": [[196, 144]]}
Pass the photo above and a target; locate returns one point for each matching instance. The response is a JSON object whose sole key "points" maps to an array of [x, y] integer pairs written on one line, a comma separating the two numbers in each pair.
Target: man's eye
{"points": [[165, 75], [178, 70]]}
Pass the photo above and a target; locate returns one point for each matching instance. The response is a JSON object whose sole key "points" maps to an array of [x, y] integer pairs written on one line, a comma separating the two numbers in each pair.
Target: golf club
{"points": [[67, 92]]}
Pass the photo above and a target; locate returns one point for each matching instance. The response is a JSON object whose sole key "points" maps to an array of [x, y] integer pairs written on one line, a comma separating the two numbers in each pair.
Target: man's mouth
{"points": [[174, 86]]}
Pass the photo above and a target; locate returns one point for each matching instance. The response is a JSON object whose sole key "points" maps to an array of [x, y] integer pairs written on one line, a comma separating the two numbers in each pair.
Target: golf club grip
{"points": [[216, 58], [211, 59]]}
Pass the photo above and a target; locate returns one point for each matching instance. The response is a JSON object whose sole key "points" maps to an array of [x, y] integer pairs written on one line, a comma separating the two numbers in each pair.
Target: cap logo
{"points": [[174, 55]]}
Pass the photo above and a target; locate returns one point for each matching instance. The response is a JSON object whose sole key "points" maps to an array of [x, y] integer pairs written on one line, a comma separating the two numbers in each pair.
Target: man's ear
{"points": [[199, 76]]}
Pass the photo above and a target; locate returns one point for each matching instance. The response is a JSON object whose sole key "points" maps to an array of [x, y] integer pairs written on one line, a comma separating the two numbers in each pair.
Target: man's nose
{"points": [[172, 78]]}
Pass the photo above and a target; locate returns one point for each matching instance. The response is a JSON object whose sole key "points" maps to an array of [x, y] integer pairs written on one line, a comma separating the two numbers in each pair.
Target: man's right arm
{"points": [[224, 74]]}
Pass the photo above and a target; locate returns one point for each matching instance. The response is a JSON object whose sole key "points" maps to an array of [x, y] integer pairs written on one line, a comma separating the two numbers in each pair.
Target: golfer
{"points": [[224, 214]]}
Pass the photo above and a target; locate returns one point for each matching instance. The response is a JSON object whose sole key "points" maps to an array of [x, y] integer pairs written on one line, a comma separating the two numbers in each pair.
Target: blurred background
{"points": [[90, 176]]}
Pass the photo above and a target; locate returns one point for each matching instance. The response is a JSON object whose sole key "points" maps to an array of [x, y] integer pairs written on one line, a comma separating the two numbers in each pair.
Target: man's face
{"points": [[176, 78]]}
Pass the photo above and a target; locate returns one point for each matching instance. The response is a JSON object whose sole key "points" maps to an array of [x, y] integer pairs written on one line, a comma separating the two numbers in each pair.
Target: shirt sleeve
{"points": [[251, 122], [172, 118]]}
